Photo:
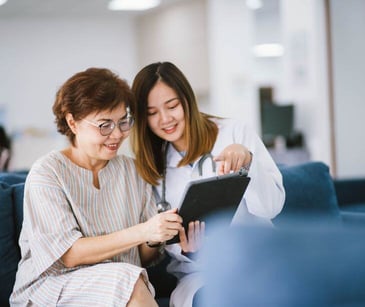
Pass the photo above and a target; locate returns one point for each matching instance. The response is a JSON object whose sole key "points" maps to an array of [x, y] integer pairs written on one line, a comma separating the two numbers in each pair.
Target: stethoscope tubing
{"points": [[163, 204]]}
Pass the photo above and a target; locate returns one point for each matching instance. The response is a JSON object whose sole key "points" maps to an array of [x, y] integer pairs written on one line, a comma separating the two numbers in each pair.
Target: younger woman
{"points": [[170, 138]]}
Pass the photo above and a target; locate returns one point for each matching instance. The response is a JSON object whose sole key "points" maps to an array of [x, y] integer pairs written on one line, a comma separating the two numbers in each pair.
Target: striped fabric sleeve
{"points": [[147, 197], [52, 224]]}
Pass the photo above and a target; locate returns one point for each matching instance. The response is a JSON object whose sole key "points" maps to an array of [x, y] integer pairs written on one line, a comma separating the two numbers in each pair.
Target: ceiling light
{"points": [[132, 5], [3, 2], [254, 4], [268, 50]]}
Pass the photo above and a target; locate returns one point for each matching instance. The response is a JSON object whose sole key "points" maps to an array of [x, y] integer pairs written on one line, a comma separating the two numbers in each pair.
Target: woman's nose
{"points": [[165, 116], [117, 133]]}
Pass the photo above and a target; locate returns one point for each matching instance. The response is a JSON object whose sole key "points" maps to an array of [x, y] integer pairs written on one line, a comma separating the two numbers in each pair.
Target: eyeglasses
{"points": [[106, 128]]}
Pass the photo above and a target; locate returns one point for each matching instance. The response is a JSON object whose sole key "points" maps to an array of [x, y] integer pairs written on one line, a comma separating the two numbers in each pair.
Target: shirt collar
{"points": [[173, 157]]}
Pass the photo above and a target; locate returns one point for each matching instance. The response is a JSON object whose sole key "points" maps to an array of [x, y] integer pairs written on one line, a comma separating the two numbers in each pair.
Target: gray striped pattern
{"points": [[61, 205]]}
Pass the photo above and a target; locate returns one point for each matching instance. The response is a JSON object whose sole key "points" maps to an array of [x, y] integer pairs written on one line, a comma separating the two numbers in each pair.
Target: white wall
{"points": [[267, 28], [305, 73], [37, 55], [232, 88], [299, 77], [177, 33], [348, 24]]}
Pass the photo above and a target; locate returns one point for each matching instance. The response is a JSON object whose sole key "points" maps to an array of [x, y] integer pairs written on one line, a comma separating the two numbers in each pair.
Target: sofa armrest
{"points": [[9, 249], [310, 193], [351, 193], [353, 218], [295, 266]]}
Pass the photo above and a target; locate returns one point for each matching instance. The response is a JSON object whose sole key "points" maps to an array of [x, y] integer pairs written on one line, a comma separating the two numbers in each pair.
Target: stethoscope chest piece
{"points": [[163, 206]]}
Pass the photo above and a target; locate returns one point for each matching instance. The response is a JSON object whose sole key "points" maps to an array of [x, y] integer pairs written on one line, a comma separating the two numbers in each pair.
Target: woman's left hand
{"points": [[194, 241], [232, 158]]}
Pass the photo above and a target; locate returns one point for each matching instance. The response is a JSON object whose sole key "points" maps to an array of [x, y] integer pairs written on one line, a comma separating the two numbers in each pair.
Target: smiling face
{"points": [[166, 115], [92, 148]]}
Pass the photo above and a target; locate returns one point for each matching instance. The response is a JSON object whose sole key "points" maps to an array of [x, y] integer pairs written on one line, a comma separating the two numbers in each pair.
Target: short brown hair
{"points": [[92, 90]]}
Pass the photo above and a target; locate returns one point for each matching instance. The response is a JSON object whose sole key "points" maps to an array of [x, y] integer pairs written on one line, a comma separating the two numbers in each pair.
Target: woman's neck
{"points": [[80, 159]]}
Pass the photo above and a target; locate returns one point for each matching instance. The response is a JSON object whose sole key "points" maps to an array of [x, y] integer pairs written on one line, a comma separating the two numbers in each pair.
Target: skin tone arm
{"points": [[148, 253], [91, 250], [232, 158]]}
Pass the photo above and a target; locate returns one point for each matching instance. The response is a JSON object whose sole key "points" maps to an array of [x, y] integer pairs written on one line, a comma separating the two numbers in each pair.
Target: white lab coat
{"points": [[263, 199]]}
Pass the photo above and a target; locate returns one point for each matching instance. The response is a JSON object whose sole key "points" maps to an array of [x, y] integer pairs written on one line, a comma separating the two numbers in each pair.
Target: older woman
{"points": [[87, 213]]}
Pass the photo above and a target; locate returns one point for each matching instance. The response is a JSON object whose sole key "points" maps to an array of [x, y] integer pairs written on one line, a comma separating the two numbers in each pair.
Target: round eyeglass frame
{"points": [[107, 127]]}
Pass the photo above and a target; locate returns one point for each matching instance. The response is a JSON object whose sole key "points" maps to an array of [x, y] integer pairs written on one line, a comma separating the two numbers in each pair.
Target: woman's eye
{"points": [[151, 113], [173, 106], [106, 125]]}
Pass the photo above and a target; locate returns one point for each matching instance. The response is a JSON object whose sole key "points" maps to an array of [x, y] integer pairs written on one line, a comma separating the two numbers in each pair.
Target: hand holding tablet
{"points": [[206, 196]]}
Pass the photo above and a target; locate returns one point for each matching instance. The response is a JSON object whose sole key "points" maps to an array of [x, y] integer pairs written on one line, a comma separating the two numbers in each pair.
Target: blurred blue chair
{"points": [[294, 265], [310, 194], [351, 199]]}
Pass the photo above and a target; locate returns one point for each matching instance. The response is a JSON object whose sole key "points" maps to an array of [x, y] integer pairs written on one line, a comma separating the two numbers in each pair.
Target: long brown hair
{"points": [[200, 131]]}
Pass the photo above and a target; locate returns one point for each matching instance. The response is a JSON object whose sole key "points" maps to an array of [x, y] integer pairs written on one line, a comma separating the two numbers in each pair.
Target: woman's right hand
{"points": [[194, 240], [163, 226]]}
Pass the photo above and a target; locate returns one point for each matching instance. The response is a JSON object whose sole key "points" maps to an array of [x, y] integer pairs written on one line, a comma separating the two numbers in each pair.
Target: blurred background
{"points": [[292, 69]]}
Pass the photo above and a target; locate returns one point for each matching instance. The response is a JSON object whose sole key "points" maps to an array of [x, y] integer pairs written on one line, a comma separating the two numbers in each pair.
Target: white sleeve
{"points": [[265, 194]]}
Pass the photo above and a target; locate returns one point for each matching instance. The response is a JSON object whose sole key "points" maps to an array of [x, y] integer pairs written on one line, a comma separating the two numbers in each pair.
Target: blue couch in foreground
{"points": [[310, 195], [351, 199], [299, 264]]}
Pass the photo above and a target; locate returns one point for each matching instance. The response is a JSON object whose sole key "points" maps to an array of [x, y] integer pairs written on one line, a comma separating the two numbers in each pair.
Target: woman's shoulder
{"points": [[230, 123], [235, 131], [47, 166], [48, 160]]}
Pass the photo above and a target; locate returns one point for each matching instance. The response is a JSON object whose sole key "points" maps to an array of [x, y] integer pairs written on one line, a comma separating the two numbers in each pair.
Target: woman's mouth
{"points": [[113, 146], [170, 129]]}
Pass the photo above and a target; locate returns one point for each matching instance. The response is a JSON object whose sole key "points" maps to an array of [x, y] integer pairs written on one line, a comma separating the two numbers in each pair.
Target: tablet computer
{"points": [[218, 194]]}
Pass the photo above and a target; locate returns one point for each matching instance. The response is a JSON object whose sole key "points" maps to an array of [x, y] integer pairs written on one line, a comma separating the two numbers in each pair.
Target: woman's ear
{"points": [[71, 122]]}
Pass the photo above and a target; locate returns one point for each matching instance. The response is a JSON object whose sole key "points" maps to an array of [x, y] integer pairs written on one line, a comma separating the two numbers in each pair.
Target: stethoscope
{"points": [[163, 204]]}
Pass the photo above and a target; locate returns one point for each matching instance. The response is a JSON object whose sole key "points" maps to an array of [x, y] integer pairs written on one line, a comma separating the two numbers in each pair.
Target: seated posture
{"points": [[171, 140], [87, 214]]}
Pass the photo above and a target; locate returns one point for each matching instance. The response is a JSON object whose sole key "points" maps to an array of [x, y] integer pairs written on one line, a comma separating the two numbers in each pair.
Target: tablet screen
{"points": [[218, 194]]}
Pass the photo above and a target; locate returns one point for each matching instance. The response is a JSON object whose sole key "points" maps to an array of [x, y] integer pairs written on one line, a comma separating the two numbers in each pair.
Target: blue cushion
{"points": [[9, 250], [284, 267], [310, 193], [354, 207], [351, 192], [12, 177], [18, 195], [353, 218]]}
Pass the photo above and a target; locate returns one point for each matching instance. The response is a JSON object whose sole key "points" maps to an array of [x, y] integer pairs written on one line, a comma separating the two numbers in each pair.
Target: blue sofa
{"points": [[314, 257], [11, 217], [300, 264], [350, 194], [310, 195]]}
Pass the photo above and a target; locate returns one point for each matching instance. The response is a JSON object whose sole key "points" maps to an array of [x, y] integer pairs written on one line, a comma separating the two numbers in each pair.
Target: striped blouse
{"points": [[62, 205]]}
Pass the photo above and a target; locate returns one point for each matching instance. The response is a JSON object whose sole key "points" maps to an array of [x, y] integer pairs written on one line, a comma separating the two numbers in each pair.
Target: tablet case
{"points": [[216, 194]]}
